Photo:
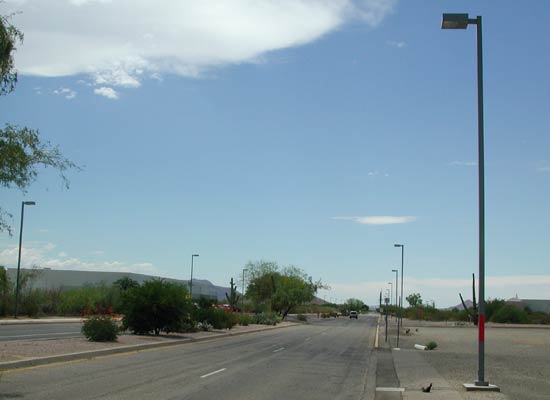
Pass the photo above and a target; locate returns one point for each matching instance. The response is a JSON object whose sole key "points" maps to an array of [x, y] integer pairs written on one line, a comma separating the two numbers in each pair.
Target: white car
{"points": [[353, 314]]}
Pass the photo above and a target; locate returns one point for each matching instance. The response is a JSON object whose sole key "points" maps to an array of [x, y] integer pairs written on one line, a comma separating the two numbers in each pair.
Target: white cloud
{"points": [[68, 93], [379, 219], [37, 257], [544, 168], [119, 43], [463, 163], [397, 44], [108, 92]]}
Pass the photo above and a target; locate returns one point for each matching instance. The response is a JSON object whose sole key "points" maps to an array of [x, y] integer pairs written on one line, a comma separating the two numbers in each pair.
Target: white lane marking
{"points": [[212, 373], [376, 337], [389, 389], [276, 351], [39, 334], [308, 338]]}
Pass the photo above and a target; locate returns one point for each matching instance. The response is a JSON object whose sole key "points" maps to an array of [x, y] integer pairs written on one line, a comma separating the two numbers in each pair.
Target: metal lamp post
{"points": [[400, 319], [461, 21], [391, 290], [191, 281], [23, 204]]}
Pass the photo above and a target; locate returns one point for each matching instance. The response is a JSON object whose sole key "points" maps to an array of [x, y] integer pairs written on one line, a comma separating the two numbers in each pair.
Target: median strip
{"points": [[212, 373]]}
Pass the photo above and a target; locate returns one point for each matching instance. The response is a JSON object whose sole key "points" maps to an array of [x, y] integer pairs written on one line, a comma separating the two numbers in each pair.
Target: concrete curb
{"points": [[40, 321], [33, 362]]}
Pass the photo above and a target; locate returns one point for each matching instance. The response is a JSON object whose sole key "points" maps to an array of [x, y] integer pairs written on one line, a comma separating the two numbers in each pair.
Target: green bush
{"points": [[244, 319], [157, 306], [302, 317], [431, 345], [510, 314], [216, 317], [100, 328], [266, 319], [76, 301]]}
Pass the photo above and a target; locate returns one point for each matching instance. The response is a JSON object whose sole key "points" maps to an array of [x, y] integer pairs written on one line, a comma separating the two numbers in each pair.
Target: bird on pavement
{"points": [[427, 388]]}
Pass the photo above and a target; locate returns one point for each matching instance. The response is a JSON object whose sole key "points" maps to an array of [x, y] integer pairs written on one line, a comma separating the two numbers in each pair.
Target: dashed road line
{"points": [[212, 373], [276, 351]]}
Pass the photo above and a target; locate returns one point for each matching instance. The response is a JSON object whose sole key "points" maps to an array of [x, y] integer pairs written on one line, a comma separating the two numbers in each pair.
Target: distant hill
{"points": [[469, 304]]}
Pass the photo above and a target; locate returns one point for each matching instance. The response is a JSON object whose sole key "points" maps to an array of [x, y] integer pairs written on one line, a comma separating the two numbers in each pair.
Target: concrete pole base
{"points": [[472, 387]]}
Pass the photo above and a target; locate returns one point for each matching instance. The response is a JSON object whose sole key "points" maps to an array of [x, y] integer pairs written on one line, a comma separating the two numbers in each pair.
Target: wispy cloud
{"points": [[379, 219], [186, 38], [68, 93], [378, 173], [544, 168], [463, 163], [398, 44], [108, 92], [39, 257]]}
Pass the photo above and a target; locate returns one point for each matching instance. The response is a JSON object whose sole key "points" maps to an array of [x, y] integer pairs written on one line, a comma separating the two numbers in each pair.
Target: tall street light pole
{"points": [[391, 291], [400, 319], [461, 21], [191, 281], [396, 276], [23, 204]]}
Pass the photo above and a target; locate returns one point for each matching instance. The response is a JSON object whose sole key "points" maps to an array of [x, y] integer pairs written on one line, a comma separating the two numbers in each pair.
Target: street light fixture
{"points": [[23, 204], [191, 281], [461, 21], [400, 319]]}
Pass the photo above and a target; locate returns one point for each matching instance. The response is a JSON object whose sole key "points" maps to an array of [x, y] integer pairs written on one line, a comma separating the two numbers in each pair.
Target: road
{"points": [[38, 331], [327, 359]]}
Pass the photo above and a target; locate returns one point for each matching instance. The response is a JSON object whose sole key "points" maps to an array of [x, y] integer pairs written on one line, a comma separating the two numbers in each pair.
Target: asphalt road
{"points": [[38, 331], [322, 360]]}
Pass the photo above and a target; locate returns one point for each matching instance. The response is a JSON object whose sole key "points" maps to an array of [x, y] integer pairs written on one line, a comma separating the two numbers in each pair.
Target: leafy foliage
{"points": [[431, 345], [100, 326], [157, 306], [279, 290], [216, 317], [9, 37], [414, 299]]}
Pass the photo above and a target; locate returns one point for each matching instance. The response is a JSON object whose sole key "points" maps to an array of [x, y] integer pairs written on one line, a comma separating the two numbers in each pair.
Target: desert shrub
{"points": [[266, 319], [157, 306], [76, 301], [431, 345], [302, 317], [100, 327], [510, 314], [216, 317], [244, 319]]}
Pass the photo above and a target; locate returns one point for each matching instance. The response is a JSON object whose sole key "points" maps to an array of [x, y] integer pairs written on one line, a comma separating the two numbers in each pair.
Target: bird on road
{"points": [[427, 388]]}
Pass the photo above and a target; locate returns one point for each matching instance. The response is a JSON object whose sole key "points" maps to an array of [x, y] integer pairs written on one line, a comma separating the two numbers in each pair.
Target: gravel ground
{"points": [[517, 360], [25, 349]]}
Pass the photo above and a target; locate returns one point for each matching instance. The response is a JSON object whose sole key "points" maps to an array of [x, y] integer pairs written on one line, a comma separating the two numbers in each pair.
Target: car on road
{"points": [[353, 314]]}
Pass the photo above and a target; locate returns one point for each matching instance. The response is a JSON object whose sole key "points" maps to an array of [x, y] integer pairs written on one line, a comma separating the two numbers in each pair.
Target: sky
{"points": [[310, 133]]}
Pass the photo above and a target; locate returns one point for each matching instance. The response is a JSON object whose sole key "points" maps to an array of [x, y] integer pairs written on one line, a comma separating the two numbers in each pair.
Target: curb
{"points": [[40, 321], [33, 362]]}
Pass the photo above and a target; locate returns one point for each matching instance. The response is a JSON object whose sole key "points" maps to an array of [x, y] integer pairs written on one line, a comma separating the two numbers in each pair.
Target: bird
{"points": [[427, 388]]}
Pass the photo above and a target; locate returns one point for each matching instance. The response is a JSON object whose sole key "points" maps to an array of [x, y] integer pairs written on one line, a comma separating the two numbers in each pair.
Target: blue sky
{"points": [[275, 131]]}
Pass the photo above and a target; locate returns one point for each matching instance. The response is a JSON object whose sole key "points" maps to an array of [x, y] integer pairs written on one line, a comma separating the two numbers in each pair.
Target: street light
{"points": [[391, 290], [461, 21], [242, 294], [23, 204], [396, 275], [400, 319], [191, 281]]}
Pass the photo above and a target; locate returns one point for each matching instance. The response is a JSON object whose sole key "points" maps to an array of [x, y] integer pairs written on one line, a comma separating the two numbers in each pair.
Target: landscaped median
{"points": [[21, 354]]}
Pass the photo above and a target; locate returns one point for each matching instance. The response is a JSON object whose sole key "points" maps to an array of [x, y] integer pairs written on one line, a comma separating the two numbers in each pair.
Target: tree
{"points": [[355, 305], [233, 298], [414, 299], [157, 306], [280, 290], [21, 149]]}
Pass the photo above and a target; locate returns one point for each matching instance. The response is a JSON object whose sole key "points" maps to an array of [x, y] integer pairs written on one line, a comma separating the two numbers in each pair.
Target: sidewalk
{"points": [[22, 354], [415, 371], [54, 320]]}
